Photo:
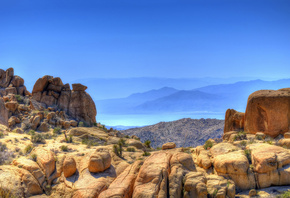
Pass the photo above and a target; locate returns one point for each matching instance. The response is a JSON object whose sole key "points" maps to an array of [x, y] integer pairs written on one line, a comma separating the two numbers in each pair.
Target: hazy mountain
{"points": [[185, 132], [108, 88], [214, 98]]}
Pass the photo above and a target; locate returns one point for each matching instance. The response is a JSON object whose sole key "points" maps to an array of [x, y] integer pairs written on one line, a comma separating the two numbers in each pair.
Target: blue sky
{"points": [[152, 38]]}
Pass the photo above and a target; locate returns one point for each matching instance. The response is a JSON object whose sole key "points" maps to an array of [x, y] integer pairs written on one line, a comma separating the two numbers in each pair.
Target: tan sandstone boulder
{"points": [[268, 112], [153, 176], [234, 121], [99, 161], [168, 145], [123, 185], [69, 166]]}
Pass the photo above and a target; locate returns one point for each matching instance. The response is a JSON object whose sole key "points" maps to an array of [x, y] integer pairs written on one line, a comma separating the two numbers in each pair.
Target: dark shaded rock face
{"points": [[10, 84], [77, 102]]}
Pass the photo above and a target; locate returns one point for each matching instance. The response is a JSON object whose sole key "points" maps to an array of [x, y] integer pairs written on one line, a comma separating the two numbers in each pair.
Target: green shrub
{"points": [[243, 143], [37, 138], [33, 157], [64, 148], [81, 124], [3, 147], [6, 193], [19, 98], [286, 194], [146, 153], [240, 136], [208, 144], [131, 149], [147, 143], [28, 148], [1, 134], [248, 155], [116, 150], [56, 131], [31, 132], [158, 148]]}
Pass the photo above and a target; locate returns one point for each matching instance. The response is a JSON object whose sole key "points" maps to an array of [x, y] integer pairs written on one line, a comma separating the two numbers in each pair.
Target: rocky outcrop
{"points": [[77, 103], [10, 84], [168, 145], [234, 121], [268, 111], [3, 113]]}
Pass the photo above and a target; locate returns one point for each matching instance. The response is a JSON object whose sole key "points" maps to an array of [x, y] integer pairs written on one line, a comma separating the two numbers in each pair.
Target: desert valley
{"points": [[52, 146]]}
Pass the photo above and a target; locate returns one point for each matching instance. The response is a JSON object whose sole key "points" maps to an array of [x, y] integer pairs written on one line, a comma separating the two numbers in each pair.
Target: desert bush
{"points": [[28, 148], [131, 149], [146, 153], [33, 157], [64, 148], [240, 136], [248, 155], [1, 134], [6, 155], [56, 131], [116, 150], [81, 124], [37, 138], [285, 194], [6, 193], [31, 132], [147, 143], [208, 144], [19, 98]]}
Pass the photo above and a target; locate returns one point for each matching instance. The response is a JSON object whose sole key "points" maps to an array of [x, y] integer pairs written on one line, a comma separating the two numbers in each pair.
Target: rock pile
{"points": [[77, 103]]}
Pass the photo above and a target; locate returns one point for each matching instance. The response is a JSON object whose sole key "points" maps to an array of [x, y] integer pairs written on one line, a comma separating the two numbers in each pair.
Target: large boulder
{"points": [[234, 121], [69, 166], [180, 164], [268, 111], [235, 165], [99, 161], [18, 182], [271, 164], [153, 177], [123, 185], [41, 84], [6, 77]]}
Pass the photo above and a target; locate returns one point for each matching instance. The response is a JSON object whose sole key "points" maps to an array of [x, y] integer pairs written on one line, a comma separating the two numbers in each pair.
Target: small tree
{"points": [[147, 143]]}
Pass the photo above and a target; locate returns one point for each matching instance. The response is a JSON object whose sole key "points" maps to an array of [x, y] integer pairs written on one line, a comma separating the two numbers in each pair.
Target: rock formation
{"points": [[268, 111], [234, 121], [10, 84], [76, 103]]}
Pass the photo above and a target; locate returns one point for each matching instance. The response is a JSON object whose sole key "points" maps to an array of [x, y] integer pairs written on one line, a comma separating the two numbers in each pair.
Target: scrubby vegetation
{"points": [[208, 144]]}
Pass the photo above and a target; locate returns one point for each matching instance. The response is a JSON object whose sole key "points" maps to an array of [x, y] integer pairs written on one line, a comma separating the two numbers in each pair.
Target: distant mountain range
{"points": [[213, 98], [108, 88], [184, 132]]}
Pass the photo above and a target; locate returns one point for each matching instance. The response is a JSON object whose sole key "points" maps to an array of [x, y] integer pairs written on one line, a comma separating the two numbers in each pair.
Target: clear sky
{"points": [[154, 38]]}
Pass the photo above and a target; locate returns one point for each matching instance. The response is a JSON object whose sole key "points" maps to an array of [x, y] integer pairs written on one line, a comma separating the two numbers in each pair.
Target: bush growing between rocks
{"points": [[33, 157], [240, 136], [248, 155], [5, 193], [208, 144], [146, 153], [131, 149], [284, 195], [19, 98], [31, 132], [28, 148], [5, 155], [147, 143]]}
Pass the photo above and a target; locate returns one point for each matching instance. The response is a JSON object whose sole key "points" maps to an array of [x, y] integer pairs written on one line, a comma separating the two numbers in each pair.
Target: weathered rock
{"points": [[180, 164], [135, 143], [260, 136], [287, 135], [3, 113], [11, 106], [45, 159], [220, 187], [6, 77], [123, 185], [79, 87], [203, 159], [73, 123], [69, 166], [82, 107], [195, 185], [19, 182], [35, 122], [99, 161], [153, 175], [41, 84], [268, 112], [17, 81], [33, 168], [43, 127], [168, 145], [234, 121], [222, 148], [235, 165], [284, 142]]}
